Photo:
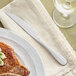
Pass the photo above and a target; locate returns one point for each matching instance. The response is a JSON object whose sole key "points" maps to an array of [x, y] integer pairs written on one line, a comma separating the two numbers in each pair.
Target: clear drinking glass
{"points": [[65, 13]]}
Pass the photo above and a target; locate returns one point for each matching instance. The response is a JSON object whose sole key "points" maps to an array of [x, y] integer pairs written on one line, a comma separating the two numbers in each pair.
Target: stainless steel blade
{"points": [[34, 35]]}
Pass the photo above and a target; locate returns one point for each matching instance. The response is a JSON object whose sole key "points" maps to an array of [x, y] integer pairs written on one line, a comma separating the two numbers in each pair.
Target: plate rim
{"points": [[21, 41]]}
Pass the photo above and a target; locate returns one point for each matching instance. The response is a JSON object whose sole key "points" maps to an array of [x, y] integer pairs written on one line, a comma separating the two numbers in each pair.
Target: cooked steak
{"points": [[11, 63], [9, 74], [21, 70]]}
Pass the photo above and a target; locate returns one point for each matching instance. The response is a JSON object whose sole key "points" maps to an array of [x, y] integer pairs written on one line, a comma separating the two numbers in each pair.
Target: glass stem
{"points": [[65, 16]]}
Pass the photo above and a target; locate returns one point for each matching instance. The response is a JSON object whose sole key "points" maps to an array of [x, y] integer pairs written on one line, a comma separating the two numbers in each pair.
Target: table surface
{"points": [[69, 33]]}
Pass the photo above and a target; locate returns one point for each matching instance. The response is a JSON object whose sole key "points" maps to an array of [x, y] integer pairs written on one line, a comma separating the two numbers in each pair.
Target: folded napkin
{"points": [[34, 13]]}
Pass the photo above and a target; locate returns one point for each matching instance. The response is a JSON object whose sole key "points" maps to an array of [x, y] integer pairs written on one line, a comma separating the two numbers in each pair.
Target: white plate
{"points": [[26, 54]]}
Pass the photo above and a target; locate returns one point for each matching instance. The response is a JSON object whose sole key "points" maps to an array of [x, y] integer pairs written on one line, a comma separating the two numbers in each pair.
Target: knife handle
{"points": [[58, 57]]}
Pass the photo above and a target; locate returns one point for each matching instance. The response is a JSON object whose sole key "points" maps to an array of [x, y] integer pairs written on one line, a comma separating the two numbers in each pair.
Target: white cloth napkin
{"points": [[33, 12]]}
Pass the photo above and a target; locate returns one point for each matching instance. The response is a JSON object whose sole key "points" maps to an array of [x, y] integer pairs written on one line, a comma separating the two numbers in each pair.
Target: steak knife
{"points": [[26, 27]]}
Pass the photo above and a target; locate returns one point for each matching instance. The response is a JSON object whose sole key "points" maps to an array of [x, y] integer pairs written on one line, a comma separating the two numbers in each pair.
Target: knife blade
{"points": [[26, 27]]}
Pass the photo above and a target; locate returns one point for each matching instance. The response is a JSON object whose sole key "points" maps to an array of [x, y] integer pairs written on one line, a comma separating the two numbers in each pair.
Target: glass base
{"points": [[64, 22]]}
